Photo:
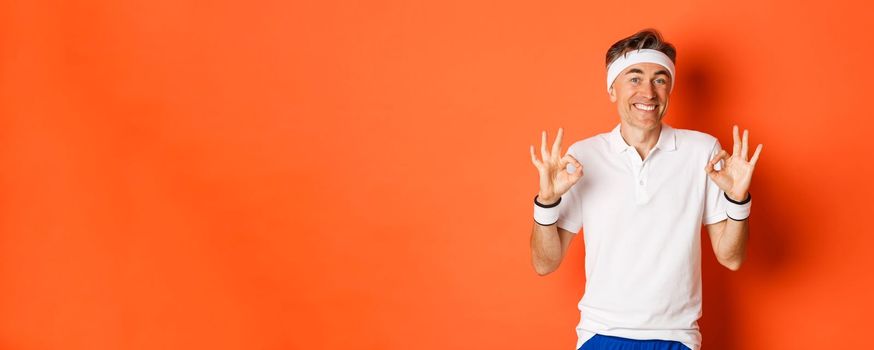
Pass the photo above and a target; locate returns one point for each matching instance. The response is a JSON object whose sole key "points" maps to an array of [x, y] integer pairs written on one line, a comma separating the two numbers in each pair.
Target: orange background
{"points": [[323, 175]]}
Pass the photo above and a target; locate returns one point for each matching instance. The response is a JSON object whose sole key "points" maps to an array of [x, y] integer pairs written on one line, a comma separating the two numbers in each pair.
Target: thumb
{"points": [[713, 175], [709, 167]]}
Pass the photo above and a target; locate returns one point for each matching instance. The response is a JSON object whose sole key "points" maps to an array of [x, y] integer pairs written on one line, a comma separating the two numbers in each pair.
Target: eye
{"points": [[661, 81], [634, 80]]}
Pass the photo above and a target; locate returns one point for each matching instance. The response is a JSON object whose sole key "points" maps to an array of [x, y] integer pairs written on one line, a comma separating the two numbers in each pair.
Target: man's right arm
{"points": [[548, 247], [549, 243]]}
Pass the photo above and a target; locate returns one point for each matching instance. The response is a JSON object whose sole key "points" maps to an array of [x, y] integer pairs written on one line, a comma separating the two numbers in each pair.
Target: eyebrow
{"points": [[635, 70]]}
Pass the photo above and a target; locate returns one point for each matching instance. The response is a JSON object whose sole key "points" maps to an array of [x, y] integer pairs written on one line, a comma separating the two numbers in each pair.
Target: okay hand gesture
{"points": [[735, 176], [554, 178]]}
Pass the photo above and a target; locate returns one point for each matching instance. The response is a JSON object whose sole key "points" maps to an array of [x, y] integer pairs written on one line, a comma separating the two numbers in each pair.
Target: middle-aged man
{"points": [[646, 192]]}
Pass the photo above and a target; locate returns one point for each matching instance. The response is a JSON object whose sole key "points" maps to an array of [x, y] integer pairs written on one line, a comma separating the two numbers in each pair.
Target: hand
{"points": [[554, 178], [735, 176]]}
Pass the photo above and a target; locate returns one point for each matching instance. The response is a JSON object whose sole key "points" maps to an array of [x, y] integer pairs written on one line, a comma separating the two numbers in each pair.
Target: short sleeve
{"points": [[570, 215], [714, 207]]}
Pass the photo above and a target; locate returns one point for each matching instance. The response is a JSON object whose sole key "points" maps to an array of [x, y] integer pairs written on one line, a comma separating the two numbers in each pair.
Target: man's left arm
{"points": [[729, 237]]}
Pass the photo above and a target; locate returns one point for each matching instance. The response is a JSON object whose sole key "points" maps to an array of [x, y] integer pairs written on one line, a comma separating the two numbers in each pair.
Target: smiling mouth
{"points": [[645, 107]]}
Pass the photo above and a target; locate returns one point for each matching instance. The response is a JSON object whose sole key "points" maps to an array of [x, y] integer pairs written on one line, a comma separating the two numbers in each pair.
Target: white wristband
{"points": [[545, 215], [737, 211]]}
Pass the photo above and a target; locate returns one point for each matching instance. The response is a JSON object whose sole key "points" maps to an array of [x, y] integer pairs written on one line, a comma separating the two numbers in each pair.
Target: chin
{"points": [[649, 123]]}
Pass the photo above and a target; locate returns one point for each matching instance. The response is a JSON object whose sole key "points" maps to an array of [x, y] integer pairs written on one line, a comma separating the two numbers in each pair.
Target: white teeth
{"points": [[644, 107]]}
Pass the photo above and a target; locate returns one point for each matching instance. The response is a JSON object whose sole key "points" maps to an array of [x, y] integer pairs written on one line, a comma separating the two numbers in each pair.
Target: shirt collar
{"points": [[667, 139]]}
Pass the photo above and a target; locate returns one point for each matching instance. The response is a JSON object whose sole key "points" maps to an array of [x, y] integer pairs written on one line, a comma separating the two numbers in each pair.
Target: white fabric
{"points": [[642, 229], [737, 211], [640, 56], [545, 216]]}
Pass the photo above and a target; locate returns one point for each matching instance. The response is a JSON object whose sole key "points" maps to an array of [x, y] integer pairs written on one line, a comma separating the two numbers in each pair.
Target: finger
{"points": [[569, 159], [556, 146], [544, 155], [736, 148], [534, 158], [709, 168], [574, 161], [744, 150], [711, 165], [755, 157], [719, 156], [578, 168], [563, 162], [577, 174]]}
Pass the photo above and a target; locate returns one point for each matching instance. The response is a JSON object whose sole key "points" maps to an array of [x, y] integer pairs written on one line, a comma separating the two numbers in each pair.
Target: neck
{"points": [[643, 140]]}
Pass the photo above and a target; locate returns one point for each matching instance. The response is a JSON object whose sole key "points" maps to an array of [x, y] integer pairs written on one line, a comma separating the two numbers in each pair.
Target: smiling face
{"points": [[641, 94]]}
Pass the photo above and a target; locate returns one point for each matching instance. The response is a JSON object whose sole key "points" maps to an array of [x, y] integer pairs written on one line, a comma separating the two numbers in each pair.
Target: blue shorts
{"points": [[608, 342]]}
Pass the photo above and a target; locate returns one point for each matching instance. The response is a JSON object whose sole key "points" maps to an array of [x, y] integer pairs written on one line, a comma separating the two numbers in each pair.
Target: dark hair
{"points": [[645, 39]]}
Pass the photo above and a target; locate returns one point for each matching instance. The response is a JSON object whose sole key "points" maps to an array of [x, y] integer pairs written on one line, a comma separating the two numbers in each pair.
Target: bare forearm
{"points": [[732, 245], [545, 248]]}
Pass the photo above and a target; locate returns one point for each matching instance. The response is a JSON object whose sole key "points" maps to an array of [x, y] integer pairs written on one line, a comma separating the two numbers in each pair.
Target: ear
{"points": [[612, 93]]}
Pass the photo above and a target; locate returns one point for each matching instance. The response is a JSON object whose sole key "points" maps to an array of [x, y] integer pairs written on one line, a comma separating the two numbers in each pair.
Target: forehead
{"points": [[647, 68]]}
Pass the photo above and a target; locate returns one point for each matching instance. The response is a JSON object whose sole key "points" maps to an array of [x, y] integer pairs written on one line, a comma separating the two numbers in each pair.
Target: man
{"points": [[646, 192]]}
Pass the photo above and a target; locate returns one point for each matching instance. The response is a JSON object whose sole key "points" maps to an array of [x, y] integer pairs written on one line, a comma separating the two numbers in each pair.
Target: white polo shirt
{"points": [[641, 223]]}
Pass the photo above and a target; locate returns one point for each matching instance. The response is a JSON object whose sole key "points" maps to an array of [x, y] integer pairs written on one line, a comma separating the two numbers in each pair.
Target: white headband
{"points": [[640, 56]]}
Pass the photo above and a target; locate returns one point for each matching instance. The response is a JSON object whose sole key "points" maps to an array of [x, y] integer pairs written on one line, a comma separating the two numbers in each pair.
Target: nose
{"points": [[647, 91]]}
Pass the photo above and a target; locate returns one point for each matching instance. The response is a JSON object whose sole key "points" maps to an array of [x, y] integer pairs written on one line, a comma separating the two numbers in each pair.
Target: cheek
{"points": [[625, 95]]}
